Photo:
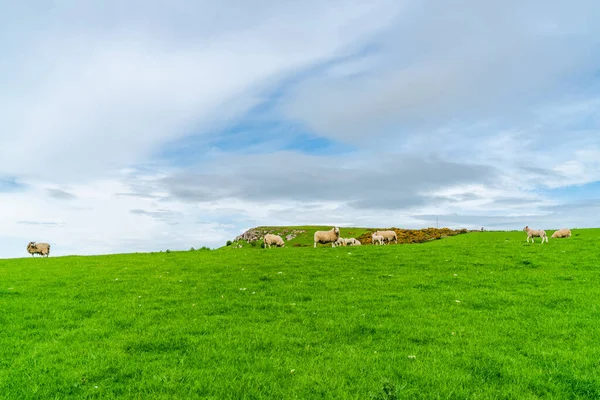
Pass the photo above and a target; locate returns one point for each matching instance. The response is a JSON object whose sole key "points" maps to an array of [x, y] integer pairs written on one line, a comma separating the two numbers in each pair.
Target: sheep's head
{"points": [[525, 229], [30, 245]]}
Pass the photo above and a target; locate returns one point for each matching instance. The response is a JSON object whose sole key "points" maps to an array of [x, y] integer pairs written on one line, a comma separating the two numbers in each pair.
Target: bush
{"points": [[191, 249], [168, 251], [228, 243]]}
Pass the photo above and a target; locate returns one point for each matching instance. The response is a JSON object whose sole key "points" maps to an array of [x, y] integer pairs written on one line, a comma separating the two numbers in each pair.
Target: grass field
{"points": [[475, 316]]}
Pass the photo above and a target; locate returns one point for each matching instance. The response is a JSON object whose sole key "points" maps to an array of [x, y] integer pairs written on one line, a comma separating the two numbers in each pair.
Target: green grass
{"points": [[304, 323]]}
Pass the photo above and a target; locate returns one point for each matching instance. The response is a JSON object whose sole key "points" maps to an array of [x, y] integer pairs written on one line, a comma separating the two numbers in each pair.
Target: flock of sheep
{"points": [[333, 236], [381, 237]]}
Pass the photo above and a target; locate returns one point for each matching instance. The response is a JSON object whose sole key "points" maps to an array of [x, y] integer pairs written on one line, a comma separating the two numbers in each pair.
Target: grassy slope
{"points": [[234, 323]]}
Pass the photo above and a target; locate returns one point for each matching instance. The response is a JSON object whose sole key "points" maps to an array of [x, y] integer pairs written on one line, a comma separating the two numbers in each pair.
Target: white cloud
{"points": [[78, 101]]}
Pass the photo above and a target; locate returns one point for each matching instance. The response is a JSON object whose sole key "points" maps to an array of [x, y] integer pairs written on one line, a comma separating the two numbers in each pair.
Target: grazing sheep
{"points": [[330, 236], [531, 233], [388, 236], [270, 239], [377, 239], [43, 249], [562, 233]]}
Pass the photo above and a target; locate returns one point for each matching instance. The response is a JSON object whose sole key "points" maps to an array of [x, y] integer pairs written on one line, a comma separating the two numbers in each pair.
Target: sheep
{"points": [[340, 242], [43, 249], [377, 239], [352, 242], [347, 242], [562, 233], [531, 233], [270, 239], [388, 236], [330, 236]]}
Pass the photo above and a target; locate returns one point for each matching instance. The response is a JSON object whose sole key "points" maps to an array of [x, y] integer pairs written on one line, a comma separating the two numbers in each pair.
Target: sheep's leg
{"points": [[315, 246]]}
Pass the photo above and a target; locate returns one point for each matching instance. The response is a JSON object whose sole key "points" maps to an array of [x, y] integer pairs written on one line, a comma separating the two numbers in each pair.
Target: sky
{"points": [[151, 125]]}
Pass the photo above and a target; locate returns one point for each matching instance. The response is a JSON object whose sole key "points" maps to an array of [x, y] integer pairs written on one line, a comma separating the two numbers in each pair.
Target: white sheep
{"points": [[352, 242], [388, 236], [531, 233], [330, 236], [340, 242], [43, 249], [562, 233], [377, 239], [270, 239]]}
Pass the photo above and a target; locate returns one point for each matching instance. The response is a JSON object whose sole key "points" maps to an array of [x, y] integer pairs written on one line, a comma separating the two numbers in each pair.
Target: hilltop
{"points": [[302, 236]]}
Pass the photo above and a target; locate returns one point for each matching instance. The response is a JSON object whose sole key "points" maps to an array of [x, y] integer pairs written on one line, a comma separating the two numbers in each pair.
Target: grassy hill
{"points": [[479, 315]]}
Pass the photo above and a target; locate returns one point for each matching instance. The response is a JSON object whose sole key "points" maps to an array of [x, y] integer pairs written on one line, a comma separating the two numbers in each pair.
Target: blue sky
{"points": [[148, 125]]}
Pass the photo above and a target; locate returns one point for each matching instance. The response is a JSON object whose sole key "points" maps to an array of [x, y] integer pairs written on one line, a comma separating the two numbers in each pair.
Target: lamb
{"points": [[388, 236], [377, 239], [330, 236], [562, 233], [340, 242], [531, 233], [43, 249], [270, 239], [347, 242], [352, 242]]}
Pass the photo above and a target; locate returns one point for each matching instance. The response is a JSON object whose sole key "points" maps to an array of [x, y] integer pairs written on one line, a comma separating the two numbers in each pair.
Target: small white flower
{"points": [[349, 253], [455, 274], [458, 301], [292, 371], [453, 333], [253, 292], [280, 272], [242, 288], [96, 387], [412, 357]]}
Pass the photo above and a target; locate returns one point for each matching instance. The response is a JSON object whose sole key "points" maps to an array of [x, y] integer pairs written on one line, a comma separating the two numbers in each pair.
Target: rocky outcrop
{"points": [[258, 233]]}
